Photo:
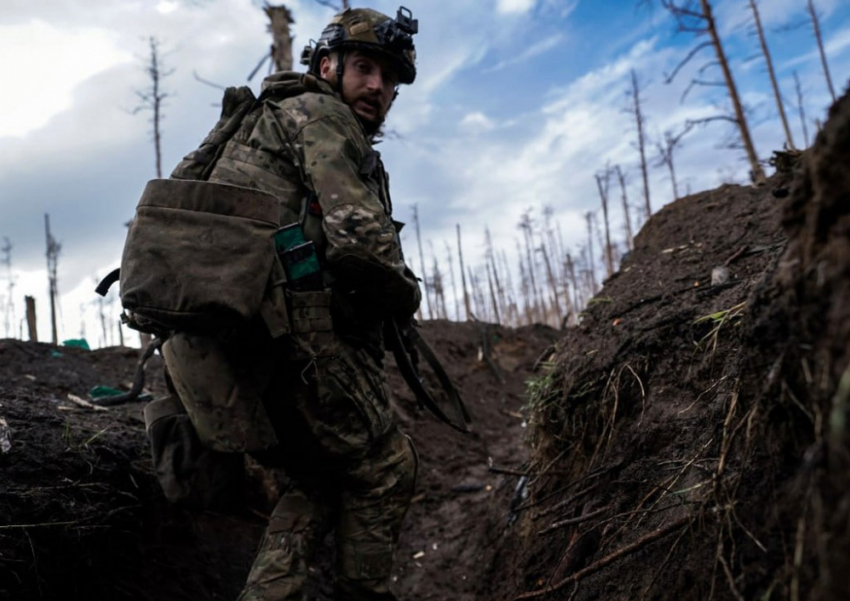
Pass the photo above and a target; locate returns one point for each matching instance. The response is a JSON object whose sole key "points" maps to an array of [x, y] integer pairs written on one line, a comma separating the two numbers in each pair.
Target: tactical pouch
{"points": [[221, 385], [200, 257], [189, 472], [312, 325]]}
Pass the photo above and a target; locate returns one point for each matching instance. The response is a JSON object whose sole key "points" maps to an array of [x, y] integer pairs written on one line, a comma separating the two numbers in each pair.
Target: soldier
{"points": [[308, 142]]}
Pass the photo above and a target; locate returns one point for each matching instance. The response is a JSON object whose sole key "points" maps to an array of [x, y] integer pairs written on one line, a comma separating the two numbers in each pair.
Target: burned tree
{"points": [[666, 151], [152, 98], [602, 183], [463, 276], [813, 14], [527, 226], [772, 73], [589, 217], [641, 142], [696, 17], [627, 220], [280, 26], [422, 261], [801, 109], [53, 250], [9, 308]]}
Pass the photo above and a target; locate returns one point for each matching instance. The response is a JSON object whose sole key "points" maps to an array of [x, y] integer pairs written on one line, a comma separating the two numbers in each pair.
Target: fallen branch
{"points": [[84, 403], [572, 521], [608, 559]]}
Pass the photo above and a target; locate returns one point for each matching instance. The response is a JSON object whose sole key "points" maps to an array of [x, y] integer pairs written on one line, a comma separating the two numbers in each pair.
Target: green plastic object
{"points": [[99, 392], [77, 343], [288, 237]]}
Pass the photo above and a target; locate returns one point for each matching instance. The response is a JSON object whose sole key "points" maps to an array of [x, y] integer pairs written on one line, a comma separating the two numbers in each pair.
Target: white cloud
{"points": [[514, 6], [165, 7], [530, 52], [477, 122], [43, 66]]}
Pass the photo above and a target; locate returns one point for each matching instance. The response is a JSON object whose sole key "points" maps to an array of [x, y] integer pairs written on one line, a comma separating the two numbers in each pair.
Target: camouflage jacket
{"points": [[306, 146]]}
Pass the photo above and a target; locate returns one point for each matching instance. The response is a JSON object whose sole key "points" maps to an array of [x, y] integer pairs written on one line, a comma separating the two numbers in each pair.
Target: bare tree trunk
{"points": [[758, 175], [463, 276], [602, 184], [801, 108], [53, 249], [627, 220], [510, 291], [280, 28], [31, 318], [439, 291], [491, 257], [422, 262], [452, 277], [156, 99], [572, 273], [816, 26], [779, 104], [589, 218], [641, 143], [493, 300], [553, 284], [120, 333], [9, 310], [526, 227]]}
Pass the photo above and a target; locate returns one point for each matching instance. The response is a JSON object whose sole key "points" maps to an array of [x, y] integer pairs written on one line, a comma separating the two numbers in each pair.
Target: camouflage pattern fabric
{"points": [[355, 474], [328, 400], [306, 143]]}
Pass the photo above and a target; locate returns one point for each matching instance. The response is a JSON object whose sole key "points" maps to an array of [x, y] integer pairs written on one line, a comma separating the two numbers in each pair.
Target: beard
{"points": [[372, 125]]}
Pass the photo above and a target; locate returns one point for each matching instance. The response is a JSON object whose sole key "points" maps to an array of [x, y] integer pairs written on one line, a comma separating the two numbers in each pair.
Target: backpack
{"points": [[199, 256]]}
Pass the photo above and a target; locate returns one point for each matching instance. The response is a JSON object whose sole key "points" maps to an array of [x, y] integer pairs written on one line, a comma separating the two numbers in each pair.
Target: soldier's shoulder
{"points": [[309, 107]]}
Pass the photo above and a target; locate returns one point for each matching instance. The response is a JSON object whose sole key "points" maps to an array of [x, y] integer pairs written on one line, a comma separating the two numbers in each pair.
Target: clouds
{"points": [[38, 93], [513, 108], [509, 7]]}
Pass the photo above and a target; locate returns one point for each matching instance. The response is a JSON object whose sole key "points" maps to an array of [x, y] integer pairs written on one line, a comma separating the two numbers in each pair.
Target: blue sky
{"points": [[517, 105]]}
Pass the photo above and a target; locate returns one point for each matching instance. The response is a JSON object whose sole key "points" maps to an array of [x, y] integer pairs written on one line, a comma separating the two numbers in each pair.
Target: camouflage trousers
{"points": [[354, 473]]}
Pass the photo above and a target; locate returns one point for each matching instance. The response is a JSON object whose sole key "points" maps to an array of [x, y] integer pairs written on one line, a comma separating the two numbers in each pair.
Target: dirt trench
{"points": [[82, 517], [690, 439]]}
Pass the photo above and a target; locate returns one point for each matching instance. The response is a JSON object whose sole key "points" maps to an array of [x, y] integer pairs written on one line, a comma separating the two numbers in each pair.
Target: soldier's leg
{"points": [[374, 502], [280, 567]]}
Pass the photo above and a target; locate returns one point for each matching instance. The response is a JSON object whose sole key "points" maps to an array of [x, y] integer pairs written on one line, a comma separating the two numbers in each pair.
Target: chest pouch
{"points": [[200, 257]]}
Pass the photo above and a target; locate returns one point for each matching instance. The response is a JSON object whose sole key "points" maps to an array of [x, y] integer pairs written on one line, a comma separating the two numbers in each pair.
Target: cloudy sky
{"points": [[517, 105]]}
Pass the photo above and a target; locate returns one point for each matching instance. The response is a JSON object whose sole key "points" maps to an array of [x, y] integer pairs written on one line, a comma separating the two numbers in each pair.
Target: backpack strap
{"points": [[235, 106]]}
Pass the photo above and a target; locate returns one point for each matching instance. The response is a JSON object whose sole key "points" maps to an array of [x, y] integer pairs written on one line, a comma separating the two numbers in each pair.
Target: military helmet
{"points": [[370, 31]]}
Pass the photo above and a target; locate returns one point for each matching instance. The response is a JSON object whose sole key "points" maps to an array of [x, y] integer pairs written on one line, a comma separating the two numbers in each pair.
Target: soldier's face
{"points": [[368, 85]]}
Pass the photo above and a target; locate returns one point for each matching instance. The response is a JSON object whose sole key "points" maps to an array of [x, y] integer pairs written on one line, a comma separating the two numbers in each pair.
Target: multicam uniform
{"points": [[328, 400]]}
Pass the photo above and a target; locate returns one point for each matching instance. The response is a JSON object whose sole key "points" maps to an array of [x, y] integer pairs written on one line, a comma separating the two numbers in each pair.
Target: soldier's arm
{"points": [[363, 248]]}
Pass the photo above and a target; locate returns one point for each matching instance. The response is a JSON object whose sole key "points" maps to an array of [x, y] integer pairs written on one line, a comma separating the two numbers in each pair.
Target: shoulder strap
{"points": [[235, 105]]}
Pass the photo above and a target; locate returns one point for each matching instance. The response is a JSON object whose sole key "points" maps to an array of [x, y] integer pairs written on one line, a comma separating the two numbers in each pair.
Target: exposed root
{"points": [[609, 559]]}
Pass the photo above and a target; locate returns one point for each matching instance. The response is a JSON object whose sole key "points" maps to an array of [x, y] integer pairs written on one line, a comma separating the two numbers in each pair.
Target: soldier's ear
{"points": [[326, 68]]}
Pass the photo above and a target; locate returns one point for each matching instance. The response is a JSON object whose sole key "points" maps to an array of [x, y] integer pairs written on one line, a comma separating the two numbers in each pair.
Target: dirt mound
{"points": [[83, 517], [690, 439]]}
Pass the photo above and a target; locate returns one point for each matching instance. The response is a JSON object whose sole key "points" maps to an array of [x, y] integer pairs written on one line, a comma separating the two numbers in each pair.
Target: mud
{"points": [[691, 441], [83, 517], [688, 440]]}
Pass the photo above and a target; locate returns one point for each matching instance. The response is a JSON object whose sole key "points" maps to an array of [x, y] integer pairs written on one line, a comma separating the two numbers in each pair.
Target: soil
{"points": [[689, 439], [83, 516]]}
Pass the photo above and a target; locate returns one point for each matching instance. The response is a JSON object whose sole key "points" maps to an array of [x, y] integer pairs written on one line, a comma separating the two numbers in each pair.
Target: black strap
{"points": [[414, 381], [106, 283], [440, 372], [138, 380]]}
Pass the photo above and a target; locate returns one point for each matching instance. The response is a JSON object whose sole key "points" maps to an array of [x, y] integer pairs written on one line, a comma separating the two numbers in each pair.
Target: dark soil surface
{"points": [[690, 440], [82, 516]]}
